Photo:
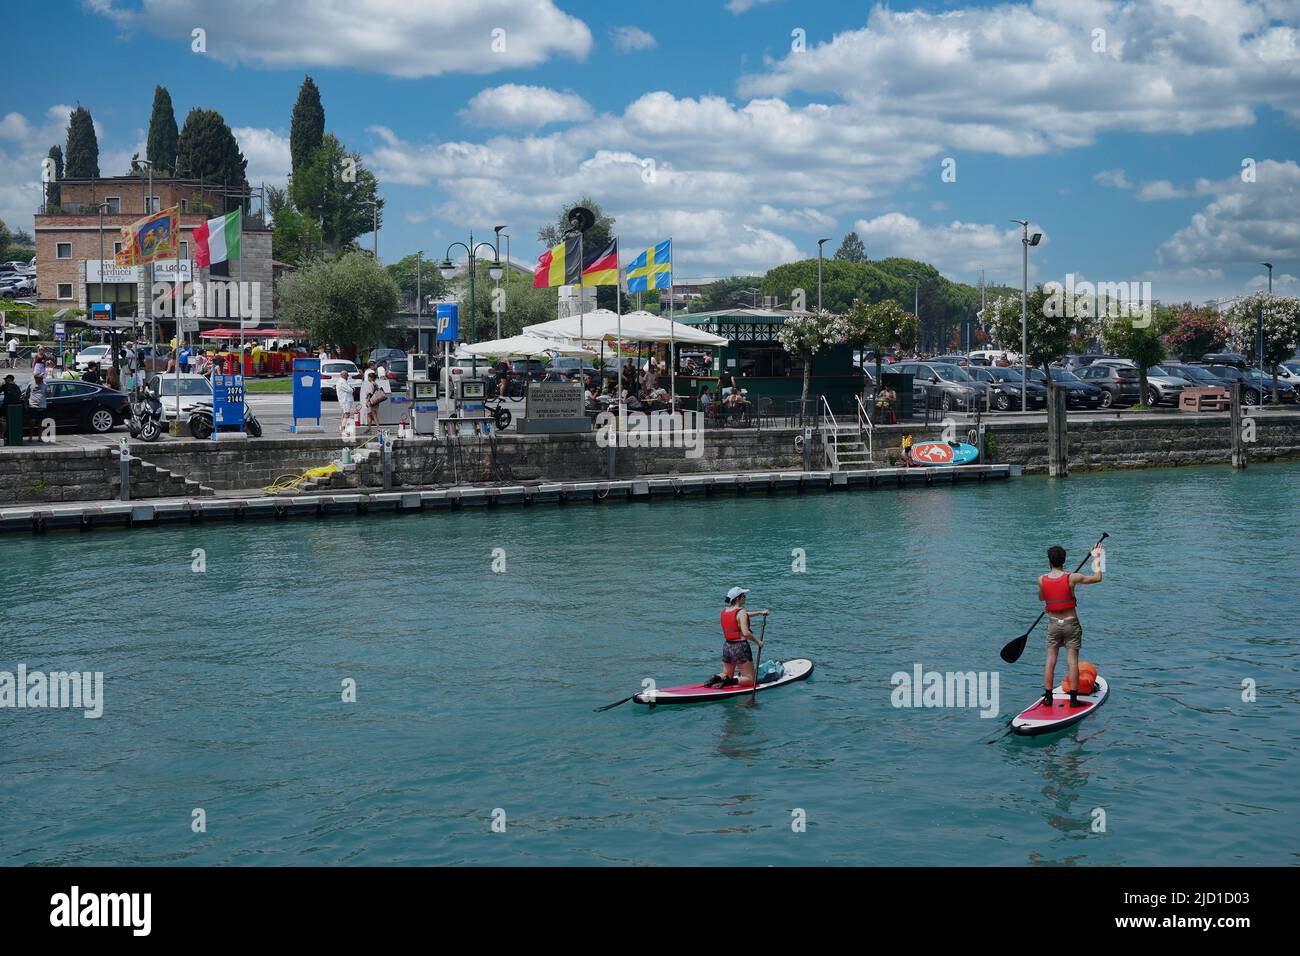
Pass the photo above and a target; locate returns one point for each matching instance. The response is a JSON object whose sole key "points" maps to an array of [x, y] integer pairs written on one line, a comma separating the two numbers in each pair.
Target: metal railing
{"points": [[830, 436], [865, 424]]}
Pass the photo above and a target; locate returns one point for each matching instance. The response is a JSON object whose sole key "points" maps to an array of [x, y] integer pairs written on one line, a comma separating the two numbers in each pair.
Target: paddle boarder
{"points": [[1056, 590], [736, 635]]}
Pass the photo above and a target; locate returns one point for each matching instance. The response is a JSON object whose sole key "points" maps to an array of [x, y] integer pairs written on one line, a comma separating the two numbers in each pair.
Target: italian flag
{"points": [[217, 239]]}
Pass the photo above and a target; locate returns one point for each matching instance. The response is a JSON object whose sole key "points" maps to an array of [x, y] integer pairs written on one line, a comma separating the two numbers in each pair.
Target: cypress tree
{"points": [[161, 145], [53, 196], [208, 150], [82, 154], [307, 125]]}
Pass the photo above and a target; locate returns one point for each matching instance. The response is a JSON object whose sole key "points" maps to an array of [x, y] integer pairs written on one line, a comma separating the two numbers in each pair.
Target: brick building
{"points": [[69, 273]]}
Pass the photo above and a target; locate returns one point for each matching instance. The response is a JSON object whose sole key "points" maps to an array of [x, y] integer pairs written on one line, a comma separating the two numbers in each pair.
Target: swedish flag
{"points": [[652, 269]]}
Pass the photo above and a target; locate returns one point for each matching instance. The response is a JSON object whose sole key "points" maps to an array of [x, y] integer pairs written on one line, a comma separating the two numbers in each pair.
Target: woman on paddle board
{"points": [[1056, 590], [736, 635]]}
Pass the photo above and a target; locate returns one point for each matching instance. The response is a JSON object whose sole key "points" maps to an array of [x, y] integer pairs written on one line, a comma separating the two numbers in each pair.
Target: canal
{"points": [[477, 671]]}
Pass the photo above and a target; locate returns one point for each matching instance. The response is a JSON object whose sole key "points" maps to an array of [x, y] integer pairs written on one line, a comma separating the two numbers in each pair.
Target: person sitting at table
{"points": [[735, 403], [657, 395], [705, 401]]}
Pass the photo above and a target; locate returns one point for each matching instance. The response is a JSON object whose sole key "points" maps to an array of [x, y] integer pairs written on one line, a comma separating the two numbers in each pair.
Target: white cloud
{"points": [[1159, 189], [1114, 178], [513, 106], [628, 39], [393, 37], [744, 6], [1024, 79], [24, 144], [1244, 223], [267, 153], [955, 248]]}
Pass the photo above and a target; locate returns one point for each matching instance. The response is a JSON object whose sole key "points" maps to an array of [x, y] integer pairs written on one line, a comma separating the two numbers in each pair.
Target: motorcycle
{"points": [[200, 421], [146, 418]]}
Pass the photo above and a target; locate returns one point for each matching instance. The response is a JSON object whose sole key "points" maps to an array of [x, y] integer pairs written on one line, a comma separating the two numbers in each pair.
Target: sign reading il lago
{"points": [[108, 271]]}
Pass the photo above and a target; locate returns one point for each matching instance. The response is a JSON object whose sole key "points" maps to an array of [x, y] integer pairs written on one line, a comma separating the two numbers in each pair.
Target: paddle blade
{"points": [[1012, 651], [613, 705]]}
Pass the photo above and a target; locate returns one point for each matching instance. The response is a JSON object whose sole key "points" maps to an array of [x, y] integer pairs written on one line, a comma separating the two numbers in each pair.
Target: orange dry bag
{"points": [[1087, 678]]}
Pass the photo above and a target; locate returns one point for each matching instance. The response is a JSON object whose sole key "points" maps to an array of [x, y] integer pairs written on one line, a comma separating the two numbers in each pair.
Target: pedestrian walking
{"points": [[347, 405]]}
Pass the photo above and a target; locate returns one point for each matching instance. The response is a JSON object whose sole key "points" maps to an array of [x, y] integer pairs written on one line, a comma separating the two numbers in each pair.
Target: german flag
{"points": [[559, 266]]}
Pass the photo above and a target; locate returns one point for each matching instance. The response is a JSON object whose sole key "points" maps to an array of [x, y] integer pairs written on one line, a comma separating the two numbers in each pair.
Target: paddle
{"points": [[762, 631], [613, 705], [1012, 651]]}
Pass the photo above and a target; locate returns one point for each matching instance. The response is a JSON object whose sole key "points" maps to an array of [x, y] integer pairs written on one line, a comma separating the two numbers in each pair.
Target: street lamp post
{"points": [[419, 303], [1026, 241], [820, 243], [916, 300], [1259, 326], [495, 272], [448, 270]]}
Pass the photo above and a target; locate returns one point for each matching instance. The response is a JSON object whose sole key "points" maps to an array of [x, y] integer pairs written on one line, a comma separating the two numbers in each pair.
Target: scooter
{"points": [[200, 421], [145, 422]]}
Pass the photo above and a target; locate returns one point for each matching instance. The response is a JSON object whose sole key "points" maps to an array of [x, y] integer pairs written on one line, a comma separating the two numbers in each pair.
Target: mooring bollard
{"points": [[124, 470], [807, 448], [1238, 443], [386, 453]]}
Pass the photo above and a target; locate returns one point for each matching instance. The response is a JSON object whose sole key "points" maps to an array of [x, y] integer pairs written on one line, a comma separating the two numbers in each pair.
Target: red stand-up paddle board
{"points": [[1041, 719], [700, 693]]}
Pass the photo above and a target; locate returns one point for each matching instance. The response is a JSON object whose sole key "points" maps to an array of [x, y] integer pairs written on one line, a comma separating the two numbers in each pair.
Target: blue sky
{"points": [[1119, 130]]}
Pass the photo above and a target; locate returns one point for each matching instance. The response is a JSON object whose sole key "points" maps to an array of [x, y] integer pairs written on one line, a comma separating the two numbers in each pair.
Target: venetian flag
{"points": [[652, 269], [217, 239], [154, 237]]}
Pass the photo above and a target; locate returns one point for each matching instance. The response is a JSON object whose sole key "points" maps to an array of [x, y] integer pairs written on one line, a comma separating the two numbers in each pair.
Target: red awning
{"points": [[255, 333]]}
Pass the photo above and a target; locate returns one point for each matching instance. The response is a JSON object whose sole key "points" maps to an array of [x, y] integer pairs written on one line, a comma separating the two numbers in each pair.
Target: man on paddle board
{"points": [[1056, 590], [736, 635]]}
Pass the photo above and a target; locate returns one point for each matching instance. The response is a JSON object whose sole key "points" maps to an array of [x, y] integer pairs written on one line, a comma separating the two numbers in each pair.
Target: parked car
{"points": [[1289, 372], [191, 389], [1007, 388], [1076, 362], [329, 378], [961, 361], [1078, 393], [100, 355], [398, 372], [384, 355], [1235, 359], [1119, 384], [947, 387], [84, 406], [1164, 385], [1253, 387], [530, 368], [999, 357]]}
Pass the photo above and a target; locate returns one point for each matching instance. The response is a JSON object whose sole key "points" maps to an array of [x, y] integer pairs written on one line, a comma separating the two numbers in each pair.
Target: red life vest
{"points": [[730, 627], [1057, 592]]}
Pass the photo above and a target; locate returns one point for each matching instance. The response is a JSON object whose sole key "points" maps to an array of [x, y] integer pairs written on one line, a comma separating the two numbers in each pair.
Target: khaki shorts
{"points": [[1064, 632]]}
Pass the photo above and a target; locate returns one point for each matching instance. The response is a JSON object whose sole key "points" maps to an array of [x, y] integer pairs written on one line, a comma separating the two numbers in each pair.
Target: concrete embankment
{"points": [[50, 473]]}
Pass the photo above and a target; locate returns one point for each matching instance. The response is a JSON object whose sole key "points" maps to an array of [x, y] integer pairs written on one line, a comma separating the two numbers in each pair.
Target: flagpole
{"points": [[180, 312], [672, 333], [239, 298], [618, 354]]}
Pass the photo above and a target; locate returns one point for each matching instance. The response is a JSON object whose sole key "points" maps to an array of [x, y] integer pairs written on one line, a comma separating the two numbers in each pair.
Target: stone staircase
{"points": [[345, 477], [846, 448], [151, 481]]}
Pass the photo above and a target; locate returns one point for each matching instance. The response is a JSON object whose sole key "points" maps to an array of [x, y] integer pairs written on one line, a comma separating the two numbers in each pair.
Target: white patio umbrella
{"points": [[526, 345]]}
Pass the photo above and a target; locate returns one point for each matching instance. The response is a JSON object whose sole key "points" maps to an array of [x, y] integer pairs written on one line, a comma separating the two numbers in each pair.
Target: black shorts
{"points": [[736, 652]]}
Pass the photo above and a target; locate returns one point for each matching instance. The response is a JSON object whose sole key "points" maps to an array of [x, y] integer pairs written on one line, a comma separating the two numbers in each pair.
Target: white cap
{"points": [[736, 592]]}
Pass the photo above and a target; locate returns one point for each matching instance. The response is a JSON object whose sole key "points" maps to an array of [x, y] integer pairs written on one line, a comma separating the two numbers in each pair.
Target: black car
{"points": [[84, 406], [1006, 386], [398, 372], [947, 387], [1252, 386], [1235, 359], [1119, 384], [1078, 393]]}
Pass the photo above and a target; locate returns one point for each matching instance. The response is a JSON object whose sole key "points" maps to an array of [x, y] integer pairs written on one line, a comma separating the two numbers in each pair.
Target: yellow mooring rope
{"points": [[288, 483]]}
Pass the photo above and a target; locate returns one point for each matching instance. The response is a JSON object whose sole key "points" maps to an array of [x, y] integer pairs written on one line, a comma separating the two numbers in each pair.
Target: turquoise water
{"points": [[475, 689]]}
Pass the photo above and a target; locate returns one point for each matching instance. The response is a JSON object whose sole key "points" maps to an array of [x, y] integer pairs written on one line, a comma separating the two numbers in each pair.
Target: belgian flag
{"points": [[559, 266]]}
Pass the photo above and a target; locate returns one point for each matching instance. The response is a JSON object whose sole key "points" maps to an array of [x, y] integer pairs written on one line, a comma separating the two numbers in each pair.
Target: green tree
{"points": [[348, 301], [161, 145], [1048, 329], [594, 239], [728, 293], [306, 126], [82, 153], [880, 326], [208, 150], [431, 283], [53, 195], [807, 335], [851, 249], [1281, 329], [1140, 340], [295, 238], [525, 305], [335, 189]]}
